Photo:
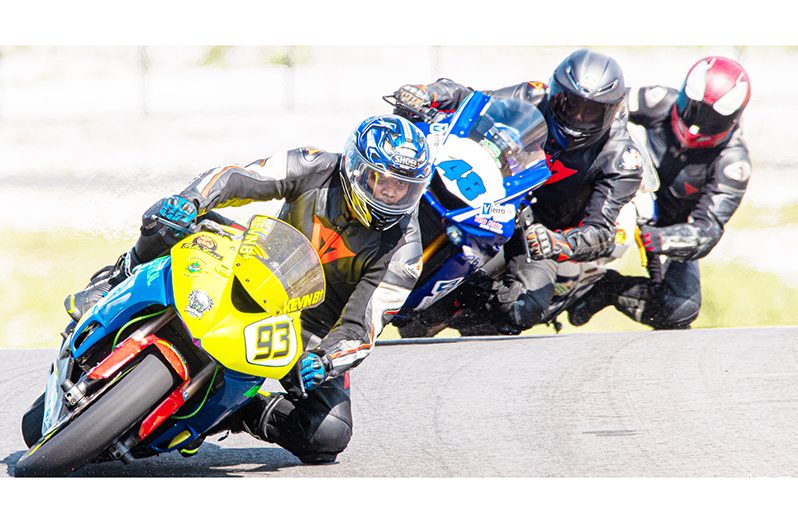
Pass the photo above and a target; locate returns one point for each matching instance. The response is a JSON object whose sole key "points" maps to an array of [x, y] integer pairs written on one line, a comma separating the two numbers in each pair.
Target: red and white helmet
{"points": [[711, 102]]}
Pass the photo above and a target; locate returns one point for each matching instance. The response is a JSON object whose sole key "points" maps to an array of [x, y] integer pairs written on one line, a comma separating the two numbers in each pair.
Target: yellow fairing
{"points": [[205, 267]]}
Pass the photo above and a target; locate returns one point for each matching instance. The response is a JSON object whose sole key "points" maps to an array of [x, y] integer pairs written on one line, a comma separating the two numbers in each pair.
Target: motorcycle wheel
{"points": [[32, 422], [93, 431]]}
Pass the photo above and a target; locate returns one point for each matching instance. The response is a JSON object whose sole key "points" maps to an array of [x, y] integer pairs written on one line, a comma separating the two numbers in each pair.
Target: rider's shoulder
{"points": [[650, 103], [733, 160], [620, 154], [311, 162]]}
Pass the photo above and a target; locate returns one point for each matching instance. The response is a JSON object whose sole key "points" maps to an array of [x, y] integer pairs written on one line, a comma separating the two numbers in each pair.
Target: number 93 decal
{"points": [[272, 342]]}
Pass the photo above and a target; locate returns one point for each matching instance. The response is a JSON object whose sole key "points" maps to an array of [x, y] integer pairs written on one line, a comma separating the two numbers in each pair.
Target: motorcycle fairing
{"points": [[148, 285], [257, 342]]}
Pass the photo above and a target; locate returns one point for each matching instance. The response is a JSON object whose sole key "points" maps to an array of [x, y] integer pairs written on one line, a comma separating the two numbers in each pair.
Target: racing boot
{"points": [[99, 286], [604, 293]]}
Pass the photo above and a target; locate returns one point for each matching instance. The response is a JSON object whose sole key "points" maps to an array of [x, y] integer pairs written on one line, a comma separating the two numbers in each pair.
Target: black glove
{"points": [[545, 244]]}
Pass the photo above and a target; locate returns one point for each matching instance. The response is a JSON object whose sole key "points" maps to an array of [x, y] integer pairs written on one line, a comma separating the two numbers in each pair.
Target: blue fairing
{"points": [[482, 228], [150, 284]]}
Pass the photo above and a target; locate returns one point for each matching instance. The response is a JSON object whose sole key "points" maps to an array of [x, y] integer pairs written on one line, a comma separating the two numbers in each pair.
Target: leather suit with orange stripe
{"points": [[369, 275], [583, 197]]}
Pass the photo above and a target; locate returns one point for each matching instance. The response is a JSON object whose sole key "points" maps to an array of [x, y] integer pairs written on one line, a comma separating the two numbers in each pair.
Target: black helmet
{"points": [[584, 95]]}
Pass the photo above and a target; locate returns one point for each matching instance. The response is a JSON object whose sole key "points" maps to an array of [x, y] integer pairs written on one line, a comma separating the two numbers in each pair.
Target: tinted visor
{"points": [[579, 113], [702, 115]]}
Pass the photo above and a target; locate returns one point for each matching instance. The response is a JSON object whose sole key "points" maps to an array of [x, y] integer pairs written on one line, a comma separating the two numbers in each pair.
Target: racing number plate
{"points": [[271, 342]]}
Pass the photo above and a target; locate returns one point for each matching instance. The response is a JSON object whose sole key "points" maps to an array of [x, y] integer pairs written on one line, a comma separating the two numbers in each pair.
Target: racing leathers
{"points": [[368, 274], [699, 191], [579, 203]]}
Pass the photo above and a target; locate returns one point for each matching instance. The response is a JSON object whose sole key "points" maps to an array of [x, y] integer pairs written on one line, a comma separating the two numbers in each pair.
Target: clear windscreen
{"points": [[287, 254], [513, 132]]}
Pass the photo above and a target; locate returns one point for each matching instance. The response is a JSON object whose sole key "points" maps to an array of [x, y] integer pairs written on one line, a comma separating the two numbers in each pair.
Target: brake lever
{"points": [[173, 225], [212, 226]]}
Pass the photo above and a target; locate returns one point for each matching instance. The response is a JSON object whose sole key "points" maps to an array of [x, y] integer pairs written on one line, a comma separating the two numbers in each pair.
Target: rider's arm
{"points": [[379, 295], [280, 176], [614, 187], [446, 95], [720, 197], [270, 179]]}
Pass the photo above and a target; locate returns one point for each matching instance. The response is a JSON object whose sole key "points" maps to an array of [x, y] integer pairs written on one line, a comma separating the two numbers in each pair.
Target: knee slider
{"points": [[330, 437], [679, 313], [526, 311]]}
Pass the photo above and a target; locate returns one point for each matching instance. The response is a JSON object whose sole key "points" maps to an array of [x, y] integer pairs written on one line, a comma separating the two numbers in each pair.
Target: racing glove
{"points": [[413, 97], [178, 210], [312, 370], [545, 244], [652, 239]]}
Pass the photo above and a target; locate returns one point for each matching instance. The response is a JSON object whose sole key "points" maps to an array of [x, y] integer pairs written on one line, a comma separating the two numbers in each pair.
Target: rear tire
{"points": [[93, 431]]}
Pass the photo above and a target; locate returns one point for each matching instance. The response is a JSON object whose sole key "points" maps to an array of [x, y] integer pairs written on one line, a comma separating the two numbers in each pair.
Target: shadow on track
{"points": [[211, 461]]}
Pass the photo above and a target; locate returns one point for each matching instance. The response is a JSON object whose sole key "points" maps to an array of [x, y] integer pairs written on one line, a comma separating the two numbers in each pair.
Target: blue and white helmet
{"points": [[386, 167]]}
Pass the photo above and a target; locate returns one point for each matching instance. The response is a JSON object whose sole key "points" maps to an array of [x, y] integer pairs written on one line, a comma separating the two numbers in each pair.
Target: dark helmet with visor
{"points": [[584, 95], [386, 167]]}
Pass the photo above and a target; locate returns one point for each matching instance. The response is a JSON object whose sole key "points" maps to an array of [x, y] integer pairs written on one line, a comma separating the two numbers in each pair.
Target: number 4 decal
{"points": [[271, 342], [468, 182]]}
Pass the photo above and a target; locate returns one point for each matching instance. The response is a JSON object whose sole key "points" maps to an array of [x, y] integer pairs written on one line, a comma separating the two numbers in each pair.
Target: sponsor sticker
{"points": [[205, 244], [198, 303], [154, 269], [489, 224], [308, 300], [406, 161], [498, 212]]}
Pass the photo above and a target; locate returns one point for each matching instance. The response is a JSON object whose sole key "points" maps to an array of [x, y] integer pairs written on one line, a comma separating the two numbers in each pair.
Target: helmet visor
{"points": [[389, 193], [577, 113], [700, 114]]}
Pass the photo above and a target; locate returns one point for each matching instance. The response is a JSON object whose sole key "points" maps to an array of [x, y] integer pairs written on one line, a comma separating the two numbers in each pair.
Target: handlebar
{"points": [[204, 225], [428, 115]]}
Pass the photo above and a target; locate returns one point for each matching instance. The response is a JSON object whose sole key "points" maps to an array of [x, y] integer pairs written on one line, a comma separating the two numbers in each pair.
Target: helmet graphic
{"points": [[386, 168], [710, 103]]}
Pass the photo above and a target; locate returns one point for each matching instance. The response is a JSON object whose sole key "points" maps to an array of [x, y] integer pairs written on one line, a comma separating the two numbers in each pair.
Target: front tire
{"points": [[93, 431], [32, 422]]}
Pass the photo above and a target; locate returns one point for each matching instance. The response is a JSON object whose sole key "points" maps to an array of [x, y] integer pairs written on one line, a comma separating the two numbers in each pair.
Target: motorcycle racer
{"points": [[595, 167], [694, 139], [359, 210]]}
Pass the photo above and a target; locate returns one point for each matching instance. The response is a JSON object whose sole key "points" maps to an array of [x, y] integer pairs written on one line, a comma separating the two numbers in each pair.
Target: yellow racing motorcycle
{"points": [[180, 345]]}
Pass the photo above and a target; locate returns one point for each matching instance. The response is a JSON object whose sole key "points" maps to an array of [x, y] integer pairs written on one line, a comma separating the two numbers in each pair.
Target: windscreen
{"points": [[289, 257], [513, 132]]}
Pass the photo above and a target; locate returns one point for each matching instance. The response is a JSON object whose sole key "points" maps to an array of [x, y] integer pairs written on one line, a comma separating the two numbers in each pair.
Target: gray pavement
{"points": [[701, 403]]}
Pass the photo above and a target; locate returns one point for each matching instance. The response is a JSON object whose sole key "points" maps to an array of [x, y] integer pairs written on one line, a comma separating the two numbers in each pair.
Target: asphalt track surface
{"points": [[700, 403]]}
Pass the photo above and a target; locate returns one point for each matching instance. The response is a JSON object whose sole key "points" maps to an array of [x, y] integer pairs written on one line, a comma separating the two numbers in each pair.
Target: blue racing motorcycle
{"points": [[489, 157]]}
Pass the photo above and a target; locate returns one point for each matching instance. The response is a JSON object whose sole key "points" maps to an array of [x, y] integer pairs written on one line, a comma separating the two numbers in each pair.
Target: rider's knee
{"points": [[331, 437], [678, 312]]}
